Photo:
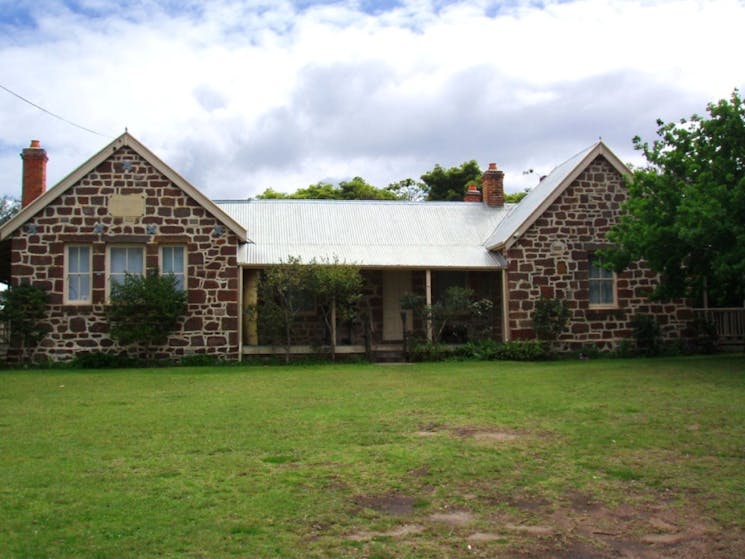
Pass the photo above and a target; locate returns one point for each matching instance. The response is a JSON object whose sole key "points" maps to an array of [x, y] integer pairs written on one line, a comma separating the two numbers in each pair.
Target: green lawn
{"points": [[564, 459]]}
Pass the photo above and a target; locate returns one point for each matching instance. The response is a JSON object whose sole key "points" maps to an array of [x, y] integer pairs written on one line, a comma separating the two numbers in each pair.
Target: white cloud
{"points": [[240, 96]]}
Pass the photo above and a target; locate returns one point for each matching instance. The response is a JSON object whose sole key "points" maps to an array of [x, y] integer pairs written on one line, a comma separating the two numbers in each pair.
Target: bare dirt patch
{"points": [[476, 433], [394, 504], [454, 518], [399, 532]]}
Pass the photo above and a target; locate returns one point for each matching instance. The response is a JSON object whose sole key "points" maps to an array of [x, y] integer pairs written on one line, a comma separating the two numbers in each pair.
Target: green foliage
{"points": [[353, 189], [425, 351], [23, 308], [625, 348], [338, 289], [685, 210], [408, 189], [647, 334], [285, 289], [450, 184], [523, 350], [282, 297], [146, 309], [9, 206], [706, 337], [483, 350], [103, 360], [459, 316], [550, 318], [514, 197]]}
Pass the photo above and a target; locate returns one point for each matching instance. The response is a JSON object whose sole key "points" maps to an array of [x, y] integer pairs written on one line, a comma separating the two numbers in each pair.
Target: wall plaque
{"points": [[128, 206]]}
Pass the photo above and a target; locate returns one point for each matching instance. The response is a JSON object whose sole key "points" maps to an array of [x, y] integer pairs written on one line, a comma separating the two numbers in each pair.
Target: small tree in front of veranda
{"points": [[22, 308], [145, 310], [337, 287]]}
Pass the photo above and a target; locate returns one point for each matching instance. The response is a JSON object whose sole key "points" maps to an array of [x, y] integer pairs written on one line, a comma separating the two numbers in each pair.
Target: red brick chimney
{"points": [[473, 194], [492, 185], [34, 172]]}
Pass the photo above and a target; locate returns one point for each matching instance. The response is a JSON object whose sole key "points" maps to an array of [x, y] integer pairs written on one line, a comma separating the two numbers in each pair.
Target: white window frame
{"points": [[109, 248], [611, 279], [162, 262], [68, 274]]}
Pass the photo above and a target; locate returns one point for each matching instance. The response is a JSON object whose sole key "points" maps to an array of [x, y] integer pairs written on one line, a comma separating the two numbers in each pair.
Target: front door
{"points": [[396, 283]]}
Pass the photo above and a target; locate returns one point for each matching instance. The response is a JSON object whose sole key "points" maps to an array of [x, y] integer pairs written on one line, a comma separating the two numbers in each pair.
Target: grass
{"points": [[333, 460]]}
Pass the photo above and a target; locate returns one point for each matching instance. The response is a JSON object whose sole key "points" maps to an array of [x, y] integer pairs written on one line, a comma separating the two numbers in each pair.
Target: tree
{"points": [[291, 288], [353, 189], [8, 208], [408, 189], [685, 208], [515, 197], [338, 289], [283, 296], [22, 309], [358, 189], [450, 184], [145, 309]]}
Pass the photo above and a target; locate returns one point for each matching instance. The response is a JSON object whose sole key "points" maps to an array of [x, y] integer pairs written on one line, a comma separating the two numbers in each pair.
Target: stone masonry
{"points": [[82, 216], [552, 259]]}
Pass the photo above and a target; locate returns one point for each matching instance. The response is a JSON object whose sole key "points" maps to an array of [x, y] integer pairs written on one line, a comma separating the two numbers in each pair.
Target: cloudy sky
{"points": [[239, 96]]}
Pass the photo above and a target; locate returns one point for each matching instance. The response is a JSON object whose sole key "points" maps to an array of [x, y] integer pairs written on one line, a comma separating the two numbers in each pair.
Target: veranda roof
{"points": [[369, 233]]}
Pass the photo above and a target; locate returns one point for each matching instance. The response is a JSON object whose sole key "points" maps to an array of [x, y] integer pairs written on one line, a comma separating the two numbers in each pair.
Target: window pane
{"points": [[85, 287], [601, 284], [178, 260], [78, 280], [118, 260], [167, 260], [73, 258], [73, 293], [172, 262], [134, 261], [84, 259]]}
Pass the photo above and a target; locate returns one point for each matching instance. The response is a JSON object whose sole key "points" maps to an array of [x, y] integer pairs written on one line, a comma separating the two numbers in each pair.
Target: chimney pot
{"points": [[34, 172], [472, 193], [492, 166]]}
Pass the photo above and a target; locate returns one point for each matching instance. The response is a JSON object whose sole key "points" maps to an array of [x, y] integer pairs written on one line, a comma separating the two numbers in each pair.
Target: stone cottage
{"points": [[125, 211]]}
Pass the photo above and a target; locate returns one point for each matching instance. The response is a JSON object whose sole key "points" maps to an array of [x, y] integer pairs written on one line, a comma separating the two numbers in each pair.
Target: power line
{"points": [[50, 113]]}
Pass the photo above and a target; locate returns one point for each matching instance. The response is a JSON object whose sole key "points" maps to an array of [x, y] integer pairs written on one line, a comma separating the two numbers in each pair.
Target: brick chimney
{"points": [[492, 185], [34, 172], [473, 194]]}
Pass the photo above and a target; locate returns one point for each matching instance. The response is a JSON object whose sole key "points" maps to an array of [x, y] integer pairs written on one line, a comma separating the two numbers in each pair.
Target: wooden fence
{"points": [[729, 324]]}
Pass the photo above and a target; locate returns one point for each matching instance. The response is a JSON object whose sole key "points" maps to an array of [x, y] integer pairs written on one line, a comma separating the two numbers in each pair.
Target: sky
{"points": [[240, 96]]}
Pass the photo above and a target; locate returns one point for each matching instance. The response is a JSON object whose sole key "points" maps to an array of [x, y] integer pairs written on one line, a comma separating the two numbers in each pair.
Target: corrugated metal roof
{"points": [[369, 233], [522, 212]]}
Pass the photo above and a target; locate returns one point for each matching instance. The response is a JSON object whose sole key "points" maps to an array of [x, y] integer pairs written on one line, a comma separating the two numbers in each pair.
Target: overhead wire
{"points": [[50, 113]]}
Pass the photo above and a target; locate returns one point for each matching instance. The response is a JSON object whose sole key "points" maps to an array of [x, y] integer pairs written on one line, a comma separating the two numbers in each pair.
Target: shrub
{"points": [[145, 310], [705, 335], [589, 351], [647, 334], [528, 350], [102, 360], [550, 318], [23, 308], [429, 351], [625, 348]]}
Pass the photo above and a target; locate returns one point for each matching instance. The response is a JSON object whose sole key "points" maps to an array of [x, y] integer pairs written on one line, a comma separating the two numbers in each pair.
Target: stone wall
{"points": [[82, 216], [552, 259]]}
